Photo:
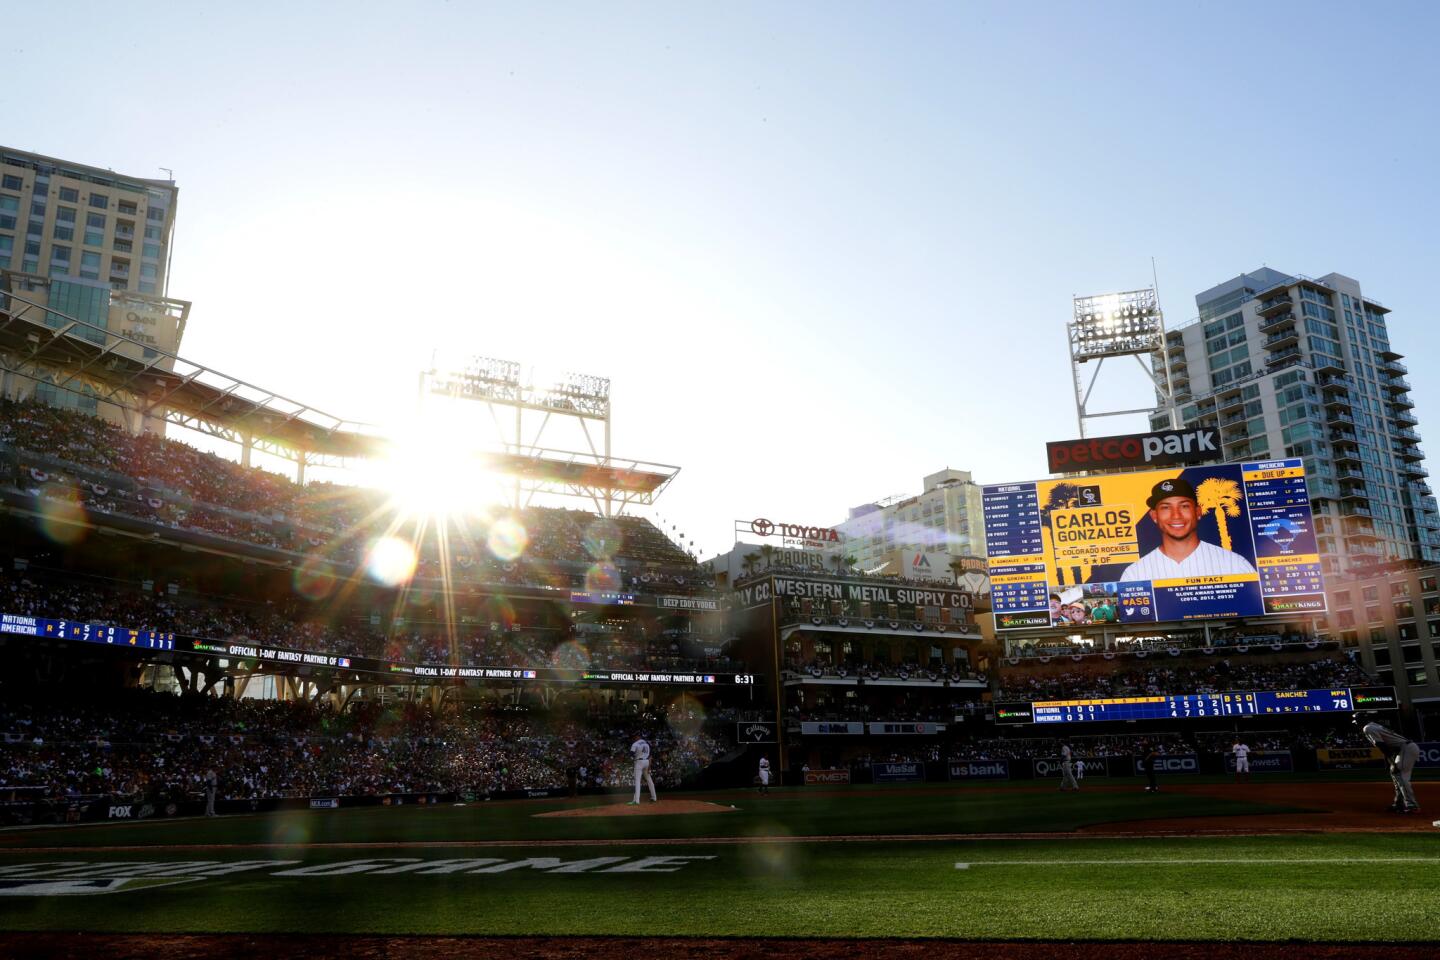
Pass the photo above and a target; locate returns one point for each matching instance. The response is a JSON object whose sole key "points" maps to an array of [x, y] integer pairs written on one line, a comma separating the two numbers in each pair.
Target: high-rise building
{"points": [[91, 245], [918, 536], [1294, 366]]}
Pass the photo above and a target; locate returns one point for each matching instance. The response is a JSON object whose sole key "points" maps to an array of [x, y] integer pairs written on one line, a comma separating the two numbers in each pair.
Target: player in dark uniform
{"points": [[1400, 756], [1149, 759]]}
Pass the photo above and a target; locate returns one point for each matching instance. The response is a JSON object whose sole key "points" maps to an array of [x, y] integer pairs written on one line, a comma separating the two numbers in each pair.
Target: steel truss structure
{"points": [[45, 346], [522, 409], [1128, 324]]}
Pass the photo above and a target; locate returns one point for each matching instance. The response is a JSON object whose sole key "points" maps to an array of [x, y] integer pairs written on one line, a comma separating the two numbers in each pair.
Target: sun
{"points": [[430, 470]]}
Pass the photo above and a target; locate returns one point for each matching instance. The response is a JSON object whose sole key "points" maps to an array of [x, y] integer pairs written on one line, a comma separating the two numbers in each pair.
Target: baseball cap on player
{"points": [[1177, 487]]}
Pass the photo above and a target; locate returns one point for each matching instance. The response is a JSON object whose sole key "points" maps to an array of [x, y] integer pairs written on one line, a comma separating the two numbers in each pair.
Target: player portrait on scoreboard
{"points": [[1206, 541], [1175, 513]]}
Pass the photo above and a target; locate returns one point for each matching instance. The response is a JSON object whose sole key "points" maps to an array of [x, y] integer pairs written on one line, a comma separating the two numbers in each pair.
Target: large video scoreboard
{"points": [[1192, 706], [1238, 541]]}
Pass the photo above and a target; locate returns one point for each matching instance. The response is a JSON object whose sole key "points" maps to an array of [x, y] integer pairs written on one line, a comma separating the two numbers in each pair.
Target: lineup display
{"points": [[1187, 706], [1158, 546], [44, 628]]}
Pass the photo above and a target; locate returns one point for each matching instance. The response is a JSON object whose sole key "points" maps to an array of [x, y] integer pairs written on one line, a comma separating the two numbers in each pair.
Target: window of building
{"points": [[1427, 584], [1371, 593], [127, 206], [7, 244], [1342, 598], [99, 201], [65, 214], [151, 250], [9, 182], [1381, 653], [1404, 610], [8, 203], [148, 271], [94, 238], [63, 232], [1435, 632], [69, 195], [155, 213], [152, 233], [37, 208], [1372, 614], [1400, 588], [60, 254], [1377, 636], [1345, 618], [147, 286], [7, 222], [1408, 631], [1417, 678]]}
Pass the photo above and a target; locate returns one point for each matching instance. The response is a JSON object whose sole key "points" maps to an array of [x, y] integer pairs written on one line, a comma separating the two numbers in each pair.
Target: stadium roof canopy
{"points": [[43, 345]]}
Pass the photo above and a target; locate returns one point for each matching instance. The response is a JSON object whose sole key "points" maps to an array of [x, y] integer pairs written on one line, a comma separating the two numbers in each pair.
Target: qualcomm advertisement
{"points": [[1198, 543]]}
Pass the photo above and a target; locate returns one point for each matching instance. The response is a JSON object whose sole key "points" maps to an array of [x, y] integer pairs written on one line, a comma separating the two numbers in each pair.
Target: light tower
{"points": [[522, 408], [1128, 324]]}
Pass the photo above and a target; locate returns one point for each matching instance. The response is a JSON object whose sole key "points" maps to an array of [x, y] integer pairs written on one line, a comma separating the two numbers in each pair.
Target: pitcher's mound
{"points": [[643, 809]]}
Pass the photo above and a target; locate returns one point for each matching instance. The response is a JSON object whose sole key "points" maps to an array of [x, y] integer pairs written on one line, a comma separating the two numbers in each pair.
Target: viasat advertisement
{"points": [[1192, 543]]}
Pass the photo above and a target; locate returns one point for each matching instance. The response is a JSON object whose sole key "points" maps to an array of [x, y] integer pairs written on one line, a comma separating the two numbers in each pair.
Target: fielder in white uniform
{"points": [[1400, 757], [640, 750], [764, 774], [1242, 759], [1079, 770], [1067, 768], [1176, 514]]}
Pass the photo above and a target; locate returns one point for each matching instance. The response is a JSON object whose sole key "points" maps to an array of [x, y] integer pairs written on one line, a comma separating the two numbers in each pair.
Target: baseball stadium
{"points": [[240, 704]]}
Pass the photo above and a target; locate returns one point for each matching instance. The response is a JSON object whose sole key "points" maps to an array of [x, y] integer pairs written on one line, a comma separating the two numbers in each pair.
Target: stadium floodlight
{"points": [[1125, 324]]}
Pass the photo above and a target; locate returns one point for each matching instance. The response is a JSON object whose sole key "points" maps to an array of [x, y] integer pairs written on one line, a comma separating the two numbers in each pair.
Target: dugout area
{"points": [[1209, 864]]}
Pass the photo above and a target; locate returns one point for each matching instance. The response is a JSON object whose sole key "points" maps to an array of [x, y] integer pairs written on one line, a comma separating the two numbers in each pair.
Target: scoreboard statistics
{"points": [[1088, 550], [1189, 706]]}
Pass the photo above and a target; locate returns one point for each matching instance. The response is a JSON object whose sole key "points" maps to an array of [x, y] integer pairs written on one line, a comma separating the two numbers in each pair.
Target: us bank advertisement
{"points": [[1184, 543]]}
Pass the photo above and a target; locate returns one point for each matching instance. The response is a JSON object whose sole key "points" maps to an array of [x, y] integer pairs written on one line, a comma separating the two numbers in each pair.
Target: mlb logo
{"points": [[342, 661], [529, 674], [709, 678]]}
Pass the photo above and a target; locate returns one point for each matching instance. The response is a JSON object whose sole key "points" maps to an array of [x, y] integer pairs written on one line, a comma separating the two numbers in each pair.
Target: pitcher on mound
{"points": [[640, 750]]}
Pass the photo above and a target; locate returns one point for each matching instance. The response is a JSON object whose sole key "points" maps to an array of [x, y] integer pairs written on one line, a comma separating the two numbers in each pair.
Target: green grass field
{"points": [[497, 869]]}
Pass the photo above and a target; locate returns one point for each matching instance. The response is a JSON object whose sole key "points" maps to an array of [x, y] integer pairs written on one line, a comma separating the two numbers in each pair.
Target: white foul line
{"points": [[966, 865]]}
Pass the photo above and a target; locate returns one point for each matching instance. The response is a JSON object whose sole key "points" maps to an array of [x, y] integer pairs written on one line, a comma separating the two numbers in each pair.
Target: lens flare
{"points": [[311, 579], [508, 539], [602, 539], [601, 577], [391, 561], [62, 517], [570, 655]]}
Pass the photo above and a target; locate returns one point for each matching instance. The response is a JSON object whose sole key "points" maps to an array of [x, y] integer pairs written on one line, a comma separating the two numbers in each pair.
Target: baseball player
{"points": [[764, 774], [1067, 768], [1242, 759], [1181, 553], [640, 750], [1079, 770], [1400, 757], [212, 784]]}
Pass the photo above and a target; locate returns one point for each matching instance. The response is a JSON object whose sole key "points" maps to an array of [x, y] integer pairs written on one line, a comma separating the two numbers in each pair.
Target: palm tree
{"points": [[1063, 496], [747, 562], [1222, 497], [957, 568], [768, 552]]}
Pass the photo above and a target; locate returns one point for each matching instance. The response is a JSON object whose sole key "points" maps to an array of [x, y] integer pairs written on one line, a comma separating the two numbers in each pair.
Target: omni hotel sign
{"points": [[793, 534]]}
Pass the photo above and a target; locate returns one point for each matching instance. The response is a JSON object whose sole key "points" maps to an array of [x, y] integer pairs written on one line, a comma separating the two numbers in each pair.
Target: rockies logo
{"points": [[762, 526]]}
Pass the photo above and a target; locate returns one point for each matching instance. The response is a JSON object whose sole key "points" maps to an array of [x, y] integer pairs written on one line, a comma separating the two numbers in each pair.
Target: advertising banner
{"points": [[1348, 758], [814, 777], [1197, 543], [687, 603], [1429, 754], [979, 769], [1050, 767], [1164, 448], [898, 772], [853, 728], [755, 732], [1264, 761], [1172, 763]]}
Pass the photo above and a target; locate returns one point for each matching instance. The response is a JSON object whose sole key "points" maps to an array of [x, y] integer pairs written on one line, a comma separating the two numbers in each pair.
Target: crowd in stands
{"points": [[1123, 745], [902, 711], [66, 455], [159, 747], [1123, 646], [1211, 675], [526, 640], [878, 670], [762, 569]]}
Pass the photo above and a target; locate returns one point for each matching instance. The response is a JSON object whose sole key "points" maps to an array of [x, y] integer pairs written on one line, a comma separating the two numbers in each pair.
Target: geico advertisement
{"points": [[1173, 763], [1203, 542]]}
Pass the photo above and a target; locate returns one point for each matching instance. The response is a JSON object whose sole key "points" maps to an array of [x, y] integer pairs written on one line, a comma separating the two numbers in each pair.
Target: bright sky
{"points": [[821, 249]]}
